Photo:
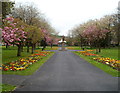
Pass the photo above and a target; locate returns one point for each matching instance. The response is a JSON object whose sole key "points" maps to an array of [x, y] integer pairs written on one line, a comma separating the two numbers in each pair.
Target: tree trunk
{"points": [[96, 50], [38, 45], [43, 48], [99, 49], [6, 45], [33, 48], [19, 50], [44, 44], [51, 45]]}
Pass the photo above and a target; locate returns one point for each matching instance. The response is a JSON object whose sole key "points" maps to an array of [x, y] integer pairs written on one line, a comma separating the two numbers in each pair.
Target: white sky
{"points": [[65, 14]]}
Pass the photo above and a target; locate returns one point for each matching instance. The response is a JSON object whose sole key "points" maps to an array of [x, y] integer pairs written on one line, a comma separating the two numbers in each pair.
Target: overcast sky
{"points": [[65, 14]]}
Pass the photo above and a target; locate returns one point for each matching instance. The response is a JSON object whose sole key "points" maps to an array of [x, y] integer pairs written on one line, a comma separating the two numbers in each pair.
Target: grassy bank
{"points": [[103, 67]]}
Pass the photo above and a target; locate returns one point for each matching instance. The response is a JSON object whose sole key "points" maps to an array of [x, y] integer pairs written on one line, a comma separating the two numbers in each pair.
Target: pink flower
{"points": [[12, 25], [6, 28], [10, 19]]}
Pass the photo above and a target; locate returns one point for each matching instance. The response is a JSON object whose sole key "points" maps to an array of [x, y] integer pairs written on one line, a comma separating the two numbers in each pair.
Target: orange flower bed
{"points": [[70, 48], [24, 63], [41, 54], [87, 53]]}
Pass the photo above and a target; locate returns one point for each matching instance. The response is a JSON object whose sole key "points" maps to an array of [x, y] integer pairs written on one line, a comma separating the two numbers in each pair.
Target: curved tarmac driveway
{"points": [[65, 71]]}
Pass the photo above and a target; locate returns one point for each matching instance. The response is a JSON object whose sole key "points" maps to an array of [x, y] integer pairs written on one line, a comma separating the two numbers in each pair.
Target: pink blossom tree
{"points": [[44, 41], [12, 34], [49, 39], [95, 35]]}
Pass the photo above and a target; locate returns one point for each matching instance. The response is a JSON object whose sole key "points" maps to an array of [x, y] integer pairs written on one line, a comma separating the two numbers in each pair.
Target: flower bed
{"points": [[108, 61], [24, 63], [55, 48], [86, 53], [90, 50], [70, 48]]}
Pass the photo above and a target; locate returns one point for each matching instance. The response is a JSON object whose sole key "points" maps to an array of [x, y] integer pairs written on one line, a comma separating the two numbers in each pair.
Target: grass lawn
{"points": [[6, 88], [9, 55], [111, 53], [107, 52], [104, 67], [31, 69]]}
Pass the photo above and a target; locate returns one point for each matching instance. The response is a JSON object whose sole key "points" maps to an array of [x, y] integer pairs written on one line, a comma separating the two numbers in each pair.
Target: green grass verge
{"points": [[31, 69], [6, 88], [9, 54], [103, 67], [109, 52], [105, 52]]}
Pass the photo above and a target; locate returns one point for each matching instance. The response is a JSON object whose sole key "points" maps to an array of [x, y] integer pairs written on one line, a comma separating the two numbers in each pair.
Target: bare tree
{"points": [[27, 13]]}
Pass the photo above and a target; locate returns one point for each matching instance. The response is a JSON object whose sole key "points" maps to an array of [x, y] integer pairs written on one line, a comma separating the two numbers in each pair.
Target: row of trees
{"points": [[26, 27], [96, 33]]}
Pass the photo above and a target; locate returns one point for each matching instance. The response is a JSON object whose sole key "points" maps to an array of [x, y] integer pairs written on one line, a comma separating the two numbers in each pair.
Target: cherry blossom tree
{"points": [[48, 39], [45, 38], [12, 34], [95, 35]]}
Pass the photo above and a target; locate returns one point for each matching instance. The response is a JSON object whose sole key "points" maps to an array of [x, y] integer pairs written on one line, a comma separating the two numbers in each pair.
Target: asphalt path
{"points": [[65, 71]]}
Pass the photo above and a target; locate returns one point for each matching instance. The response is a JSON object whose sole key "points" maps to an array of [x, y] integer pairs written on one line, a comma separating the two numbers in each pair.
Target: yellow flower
{"points": [[107, 62]]}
